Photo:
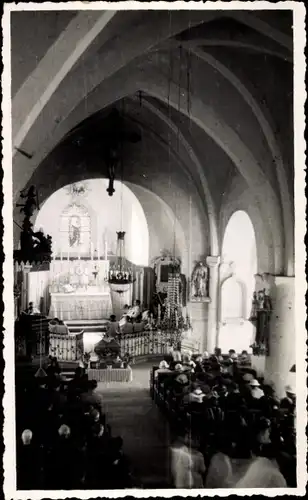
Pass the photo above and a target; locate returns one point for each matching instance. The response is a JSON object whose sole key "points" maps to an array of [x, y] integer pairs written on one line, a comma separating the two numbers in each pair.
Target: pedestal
{"points": [[282, 342], [212, 330]]}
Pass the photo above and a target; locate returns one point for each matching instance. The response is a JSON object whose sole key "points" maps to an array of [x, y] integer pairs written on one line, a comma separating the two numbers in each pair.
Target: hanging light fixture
{"points": [[120, 274], [173, 322]]}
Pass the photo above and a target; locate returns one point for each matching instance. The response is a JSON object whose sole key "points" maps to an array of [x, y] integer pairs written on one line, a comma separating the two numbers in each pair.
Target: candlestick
{"points": [[106, 251], [61, 255], [91, 246]]}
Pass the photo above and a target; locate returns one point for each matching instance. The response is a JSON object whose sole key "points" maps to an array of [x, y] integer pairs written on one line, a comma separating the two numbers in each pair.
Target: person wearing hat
{"points": [[255, 389], [288, 402], [163, 368], [196, 395]]}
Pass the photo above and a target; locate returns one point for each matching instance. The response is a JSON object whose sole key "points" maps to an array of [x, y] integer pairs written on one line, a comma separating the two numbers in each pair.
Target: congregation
{"points": [[230, 429], [63, 438], [233, 431]]}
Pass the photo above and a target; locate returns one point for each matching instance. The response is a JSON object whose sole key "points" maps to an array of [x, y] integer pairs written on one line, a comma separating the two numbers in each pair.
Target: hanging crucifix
{"points": [[115, 135]]}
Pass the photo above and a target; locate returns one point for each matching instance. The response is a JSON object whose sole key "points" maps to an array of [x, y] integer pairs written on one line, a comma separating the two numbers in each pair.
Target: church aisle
{"points": [[133, 415]]}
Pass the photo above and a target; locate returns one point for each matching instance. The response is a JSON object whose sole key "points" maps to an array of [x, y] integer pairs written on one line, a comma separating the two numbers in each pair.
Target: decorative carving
{"points": [[34, 246], [31, 204], [163, 266], [199, 283]]}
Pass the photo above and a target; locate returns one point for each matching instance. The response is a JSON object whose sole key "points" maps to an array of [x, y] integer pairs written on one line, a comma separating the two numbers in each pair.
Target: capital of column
{"points": [[213, 261]]}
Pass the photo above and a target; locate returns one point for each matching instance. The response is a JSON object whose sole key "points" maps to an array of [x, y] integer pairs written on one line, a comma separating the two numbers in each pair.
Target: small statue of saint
{"points": [[199, 282]]}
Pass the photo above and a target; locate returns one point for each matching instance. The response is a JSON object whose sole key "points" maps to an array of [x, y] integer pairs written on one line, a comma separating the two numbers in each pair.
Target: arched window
{"points": [[75, 229], [239, 254]]}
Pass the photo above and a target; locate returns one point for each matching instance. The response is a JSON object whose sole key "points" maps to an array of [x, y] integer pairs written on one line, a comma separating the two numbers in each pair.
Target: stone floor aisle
{"points": [[133, 415]]}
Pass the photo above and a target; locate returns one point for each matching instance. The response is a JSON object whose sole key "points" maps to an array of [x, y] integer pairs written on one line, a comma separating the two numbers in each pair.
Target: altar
{"points": [[81, 305]]}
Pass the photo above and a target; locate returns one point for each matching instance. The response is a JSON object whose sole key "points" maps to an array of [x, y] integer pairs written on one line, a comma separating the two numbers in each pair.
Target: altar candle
{"points": [[106, 251], [91, 246], [61, 255]]}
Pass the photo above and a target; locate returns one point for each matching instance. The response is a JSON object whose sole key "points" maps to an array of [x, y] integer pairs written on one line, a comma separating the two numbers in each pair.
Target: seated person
{"points": [[118, 363], [135, 311], [196, 395], [125, 310], [256, 391], [31, 310], [145, 316], [163, 368], [176, 358], [288, 402], [58, 327], [217, 354], [126, 326], [187, 361], [113, 327], [244, 358]]}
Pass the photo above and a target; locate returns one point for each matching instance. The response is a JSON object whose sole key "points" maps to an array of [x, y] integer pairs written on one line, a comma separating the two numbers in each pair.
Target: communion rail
{"points": [[136, 345]]}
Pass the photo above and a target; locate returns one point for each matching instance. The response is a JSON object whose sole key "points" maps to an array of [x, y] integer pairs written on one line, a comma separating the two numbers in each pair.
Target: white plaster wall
{"points": [[106, 214]]}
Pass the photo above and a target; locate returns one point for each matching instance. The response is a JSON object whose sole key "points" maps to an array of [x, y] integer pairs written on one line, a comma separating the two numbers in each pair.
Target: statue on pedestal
{"points": [[199, 283]]}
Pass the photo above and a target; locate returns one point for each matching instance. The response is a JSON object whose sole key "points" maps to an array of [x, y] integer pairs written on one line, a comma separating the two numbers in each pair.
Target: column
{"points": [[282, 342], [198, 312], [212, 330]]}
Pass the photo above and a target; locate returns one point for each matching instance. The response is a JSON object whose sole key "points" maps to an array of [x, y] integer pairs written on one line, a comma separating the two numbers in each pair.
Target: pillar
{"points": [[282, 343], [212, 329], [198, 312]]}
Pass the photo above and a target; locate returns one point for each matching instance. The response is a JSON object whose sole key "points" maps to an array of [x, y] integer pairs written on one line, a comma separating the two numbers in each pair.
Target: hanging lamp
{"points": [[120, 274]]}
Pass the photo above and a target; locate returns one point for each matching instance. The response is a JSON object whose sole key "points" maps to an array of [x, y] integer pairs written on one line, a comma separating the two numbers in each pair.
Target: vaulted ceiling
{"points": [[210, 92]]}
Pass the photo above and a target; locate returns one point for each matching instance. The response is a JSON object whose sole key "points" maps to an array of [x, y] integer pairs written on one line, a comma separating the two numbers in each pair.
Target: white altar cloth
{"points": [[80, 305]]}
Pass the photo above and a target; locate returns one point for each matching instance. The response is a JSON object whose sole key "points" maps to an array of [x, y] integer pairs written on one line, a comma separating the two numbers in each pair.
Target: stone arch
{"points": [[263, 118]]}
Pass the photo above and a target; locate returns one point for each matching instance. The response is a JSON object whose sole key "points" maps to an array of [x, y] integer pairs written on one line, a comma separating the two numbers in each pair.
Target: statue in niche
{"points": [[199, 283], [74, 231]]}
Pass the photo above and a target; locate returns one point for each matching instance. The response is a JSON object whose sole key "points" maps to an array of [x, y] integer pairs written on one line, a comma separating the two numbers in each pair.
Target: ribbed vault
{"points": [[212, 139]]}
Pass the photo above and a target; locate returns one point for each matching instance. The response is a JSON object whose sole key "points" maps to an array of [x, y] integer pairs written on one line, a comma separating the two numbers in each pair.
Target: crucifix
{"points": [[115, 135]]}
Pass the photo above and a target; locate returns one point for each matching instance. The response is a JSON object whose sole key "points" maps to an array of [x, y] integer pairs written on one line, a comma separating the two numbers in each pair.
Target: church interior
{"points": [[154, 254]]}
